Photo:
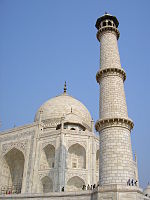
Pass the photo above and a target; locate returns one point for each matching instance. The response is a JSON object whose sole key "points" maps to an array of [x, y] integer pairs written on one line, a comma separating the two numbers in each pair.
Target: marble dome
{"points": [[65, 106]]}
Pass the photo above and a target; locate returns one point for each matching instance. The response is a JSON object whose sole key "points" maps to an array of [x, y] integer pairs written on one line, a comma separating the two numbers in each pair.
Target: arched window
{"points": [[77, 157], [104, 23], [58, 127], [48, 157], [97, 160], [109, 23], [47, 184], [12, 170], [73, 129], [75, 184]]}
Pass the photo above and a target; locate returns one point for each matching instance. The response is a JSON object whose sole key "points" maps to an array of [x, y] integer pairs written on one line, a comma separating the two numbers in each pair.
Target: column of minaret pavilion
{"points": [[114, 126]]}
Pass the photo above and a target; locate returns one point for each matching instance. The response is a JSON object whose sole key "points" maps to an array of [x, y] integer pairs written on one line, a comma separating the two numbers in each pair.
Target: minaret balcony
{"points": [[110, 72], [111, 122]]}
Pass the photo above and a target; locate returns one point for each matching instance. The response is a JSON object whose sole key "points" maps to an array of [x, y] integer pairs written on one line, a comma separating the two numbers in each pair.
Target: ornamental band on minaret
{"points": [[114, 126]]}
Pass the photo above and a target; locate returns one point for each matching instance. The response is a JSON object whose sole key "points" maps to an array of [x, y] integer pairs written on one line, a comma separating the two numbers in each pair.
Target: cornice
{"points": [[110, 72], [114, 122], [20, 128], [102, 30]]}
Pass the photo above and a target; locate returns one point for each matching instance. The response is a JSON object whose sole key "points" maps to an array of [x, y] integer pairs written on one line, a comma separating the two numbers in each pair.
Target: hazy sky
{"points": [[45, 42]]}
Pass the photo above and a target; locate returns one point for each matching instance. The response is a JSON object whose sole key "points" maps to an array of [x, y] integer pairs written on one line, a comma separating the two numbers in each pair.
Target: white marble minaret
{"points": [[114, 125]]}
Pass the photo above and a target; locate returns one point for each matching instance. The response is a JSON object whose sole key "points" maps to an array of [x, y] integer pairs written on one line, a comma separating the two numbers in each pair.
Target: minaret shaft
{"points": [[116, 160], [112, 97], [109, 54]]}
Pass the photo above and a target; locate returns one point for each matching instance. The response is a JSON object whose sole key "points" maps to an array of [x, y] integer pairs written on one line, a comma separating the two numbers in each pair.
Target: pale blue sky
{"points": [[45, 42]]}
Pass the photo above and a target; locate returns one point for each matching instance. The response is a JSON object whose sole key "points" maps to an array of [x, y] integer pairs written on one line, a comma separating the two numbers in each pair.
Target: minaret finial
{"points": [[65, 87]]}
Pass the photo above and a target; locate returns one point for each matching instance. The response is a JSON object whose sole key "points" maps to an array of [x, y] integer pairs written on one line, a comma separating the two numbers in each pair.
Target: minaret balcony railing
{"points": [[110, 72], [107, 28], [114, 122]]}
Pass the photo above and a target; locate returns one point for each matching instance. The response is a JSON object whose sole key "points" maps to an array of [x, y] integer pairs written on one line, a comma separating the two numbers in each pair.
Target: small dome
{"points": [[64, 106], [104, 17], [147, 190]]}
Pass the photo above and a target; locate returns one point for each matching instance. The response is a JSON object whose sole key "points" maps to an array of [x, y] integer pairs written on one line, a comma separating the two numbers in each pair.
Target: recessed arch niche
{"points": [[47, 185], [75, 184], [12, 170], [77, 156], [47, 159]]}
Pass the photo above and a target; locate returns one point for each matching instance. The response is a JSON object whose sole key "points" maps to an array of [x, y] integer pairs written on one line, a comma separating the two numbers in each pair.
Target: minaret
{"points": [[114, 126]]}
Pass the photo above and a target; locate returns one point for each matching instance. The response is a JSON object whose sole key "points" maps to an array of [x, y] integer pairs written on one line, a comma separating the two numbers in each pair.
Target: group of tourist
{"points": [[10, 189], [132, 182], [88, 187], [84, 187]]}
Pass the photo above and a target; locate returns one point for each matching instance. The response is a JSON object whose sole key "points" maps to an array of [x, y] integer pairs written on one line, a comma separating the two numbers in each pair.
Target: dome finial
{"points": [[65, 87]]}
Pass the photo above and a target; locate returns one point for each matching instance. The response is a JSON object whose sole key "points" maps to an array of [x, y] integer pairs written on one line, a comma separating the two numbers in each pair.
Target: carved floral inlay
{"points": [[21, 145], [51, 122], [80, 174], [44, 144], [72, 142], [46, 173]]}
